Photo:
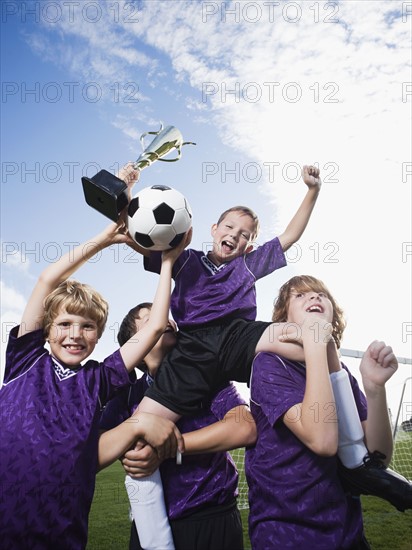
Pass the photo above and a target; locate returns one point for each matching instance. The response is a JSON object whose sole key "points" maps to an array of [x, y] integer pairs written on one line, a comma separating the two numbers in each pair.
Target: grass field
{"points": [[386, 528]]}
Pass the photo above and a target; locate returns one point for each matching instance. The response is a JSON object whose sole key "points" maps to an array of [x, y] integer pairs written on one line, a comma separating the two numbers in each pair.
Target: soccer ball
{"points": [[158, 217]]}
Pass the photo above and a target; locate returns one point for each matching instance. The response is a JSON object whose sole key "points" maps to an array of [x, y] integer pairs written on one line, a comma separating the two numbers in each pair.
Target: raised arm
{"points": [[314, 420], [135, 349], [61, 270], [298, 223], [377, 366]]}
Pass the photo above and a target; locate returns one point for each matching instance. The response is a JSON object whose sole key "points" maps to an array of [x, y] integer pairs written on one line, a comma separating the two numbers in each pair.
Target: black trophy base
{"points": [[106, 193]]}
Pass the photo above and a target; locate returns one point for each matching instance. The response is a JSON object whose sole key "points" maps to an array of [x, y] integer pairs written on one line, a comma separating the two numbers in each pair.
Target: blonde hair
{"points": [[75, 299], [305, 283], [245, 210]]}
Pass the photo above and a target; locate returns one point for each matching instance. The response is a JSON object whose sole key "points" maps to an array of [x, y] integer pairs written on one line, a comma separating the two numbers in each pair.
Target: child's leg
{"points": [[149, 512], [146, 496], [351, 447], [269, 341], [149, 405]]}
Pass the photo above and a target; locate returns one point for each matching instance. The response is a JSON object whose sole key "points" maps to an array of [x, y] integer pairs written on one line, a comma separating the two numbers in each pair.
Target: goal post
{"points": [[402, 432]]}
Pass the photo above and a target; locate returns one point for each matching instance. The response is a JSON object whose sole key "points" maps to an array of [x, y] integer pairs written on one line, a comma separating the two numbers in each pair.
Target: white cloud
{"points": [[350, 62], [12, 257], [91, 48], [11, 299], [126, 126], [329, 93], [12, 305], [350, 118]]}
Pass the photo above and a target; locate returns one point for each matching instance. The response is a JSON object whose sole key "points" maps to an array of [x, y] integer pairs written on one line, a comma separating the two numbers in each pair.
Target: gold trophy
{"points": [[108, 193]]}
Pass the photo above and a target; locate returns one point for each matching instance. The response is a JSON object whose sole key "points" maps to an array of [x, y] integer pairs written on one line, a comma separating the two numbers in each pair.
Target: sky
{"points": [[263, 88]]}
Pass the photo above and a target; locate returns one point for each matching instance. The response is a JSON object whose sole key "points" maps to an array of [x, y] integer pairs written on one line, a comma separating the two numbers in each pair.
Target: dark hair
{"points": [[128, 326]]}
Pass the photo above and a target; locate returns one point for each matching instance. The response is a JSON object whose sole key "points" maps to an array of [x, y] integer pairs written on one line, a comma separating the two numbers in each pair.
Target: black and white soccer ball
{"points": [[159, 217]]}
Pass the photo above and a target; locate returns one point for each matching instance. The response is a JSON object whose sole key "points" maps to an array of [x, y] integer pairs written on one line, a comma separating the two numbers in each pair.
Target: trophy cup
{"points": [[108, 193]]}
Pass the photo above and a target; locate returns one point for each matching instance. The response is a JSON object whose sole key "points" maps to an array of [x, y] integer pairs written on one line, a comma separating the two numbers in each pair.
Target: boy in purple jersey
{"points": [[51, 403], [201, 493], [295, 493], [214, 305]]}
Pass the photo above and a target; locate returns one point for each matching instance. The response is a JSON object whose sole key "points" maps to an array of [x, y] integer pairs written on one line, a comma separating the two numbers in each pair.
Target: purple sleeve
{"points": [[116, 411], [273, 386], [266, 258], [22, 352], [153, 263], [114, 376], [277, 385], [225, 400]]}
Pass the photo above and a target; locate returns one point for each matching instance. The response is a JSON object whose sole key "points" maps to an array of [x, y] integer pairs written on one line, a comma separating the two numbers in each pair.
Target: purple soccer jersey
{"points": [[208, 479], [296, 499], [205, 293], [49, 432]]}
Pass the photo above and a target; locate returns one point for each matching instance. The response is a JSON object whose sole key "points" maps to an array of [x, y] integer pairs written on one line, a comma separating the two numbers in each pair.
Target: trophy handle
{"points": [[179, 152], [150, 134]]}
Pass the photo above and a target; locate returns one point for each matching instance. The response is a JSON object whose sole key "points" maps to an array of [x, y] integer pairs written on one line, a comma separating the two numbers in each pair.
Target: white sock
{"points": [[351, 447], [149, 512]]}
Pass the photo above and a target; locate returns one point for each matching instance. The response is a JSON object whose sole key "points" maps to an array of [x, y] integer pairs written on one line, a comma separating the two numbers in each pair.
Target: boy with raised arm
{"points": [[214, 305], [51, 401]]}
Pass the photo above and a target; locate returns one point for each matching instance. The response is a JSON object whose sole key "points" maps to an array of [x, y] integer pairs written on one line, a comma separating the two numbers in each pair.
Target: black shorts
{"points": [[213, 528], [203, 361]]}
